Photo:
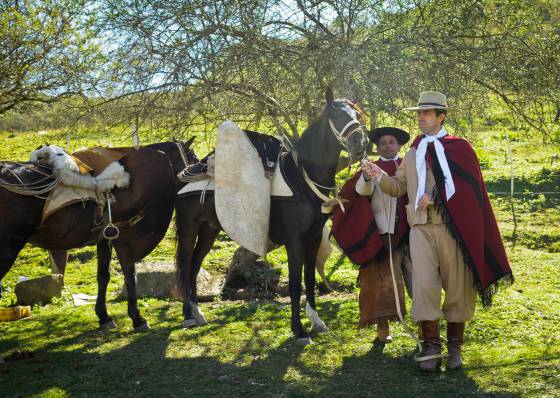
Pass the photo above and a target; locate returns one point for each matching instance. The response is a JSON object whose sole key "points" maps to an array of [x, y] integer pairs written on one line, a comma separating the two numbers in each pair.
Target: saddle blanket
{"points": [[81, 175], [63, 195]]}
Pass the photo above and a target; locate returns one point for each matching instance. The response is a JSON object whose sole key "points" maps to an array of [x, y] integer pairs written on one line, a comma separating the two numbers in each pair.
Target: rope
{"points": [[182, 153], [35, 188], [192, 177], [328, 203], [407, 328]]}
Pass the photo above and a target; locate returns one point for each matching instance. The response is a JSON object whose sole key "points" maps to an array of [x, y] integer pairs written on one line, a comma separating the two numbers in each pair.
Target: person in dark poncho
{"points": [[363, 230], [455, 243]]}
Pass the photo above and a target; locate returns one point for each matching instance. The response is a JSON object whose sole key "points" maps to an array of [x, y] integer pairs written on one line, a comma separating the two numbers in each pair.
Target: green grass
{"points": [[511, 350]]}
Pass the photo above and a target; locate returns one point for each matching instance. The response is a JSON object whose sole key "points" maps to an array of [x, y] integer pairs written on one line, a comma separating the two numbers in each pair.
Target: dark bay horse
{"points": [[142, 211], [297, 224], [180, 155]]}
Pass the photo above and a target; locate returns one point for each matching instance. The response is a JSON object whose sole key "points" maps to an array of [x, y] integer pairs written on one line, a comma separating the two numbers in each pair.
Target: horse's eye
{"points": [[59, 154]]}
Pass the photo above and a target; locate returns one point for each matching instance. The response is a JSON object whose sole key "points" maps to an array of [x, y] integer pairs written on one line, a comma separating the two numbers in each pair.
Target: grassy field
{"points": [[511, 350]]}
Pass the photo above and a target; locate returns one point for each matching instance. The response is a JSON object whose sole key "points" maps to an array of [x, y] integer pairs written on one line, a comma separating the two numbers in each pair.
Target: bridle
{"points": [[182, 153], [343, 136], [352, 127]]}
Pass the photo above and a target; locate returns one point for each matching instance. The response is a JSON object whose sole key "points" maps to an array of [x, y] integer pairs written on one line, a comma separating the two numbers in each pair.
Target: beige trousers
{"points": [[437, 263]]}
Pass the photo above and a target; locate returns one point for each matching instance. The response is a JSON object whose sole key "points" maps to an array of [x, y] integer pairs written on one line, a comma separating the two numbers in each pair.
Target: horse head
{"points": [[189, 153], [347, 121], [179, 153]]}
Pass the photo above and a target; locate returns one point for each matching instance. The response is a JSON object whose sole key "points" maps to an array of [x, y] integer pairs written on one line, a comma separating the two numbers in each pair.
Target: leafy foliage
{"points": [[48, 51]]}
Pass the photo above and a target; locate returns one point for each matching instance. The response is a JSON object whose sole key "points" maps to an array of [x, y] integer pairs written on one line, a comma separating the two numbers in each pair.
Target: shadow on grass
{"points": [[245, 351], [378, 375], [142, 367]]}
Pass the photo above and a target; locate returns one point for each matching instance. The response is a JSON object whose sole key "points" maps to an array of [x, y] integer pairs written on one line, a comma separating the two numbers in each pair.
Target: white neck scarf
{"points": [[421, 165], [386, 159]]}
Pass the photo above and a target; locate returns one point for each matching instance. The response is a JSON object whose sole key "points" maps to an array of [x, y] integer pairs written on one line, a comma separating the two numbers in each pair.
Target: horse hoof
{"points": [[108, 325], [202, 322], [189, 324], [319, 329], [142, 327], [304, 341]]}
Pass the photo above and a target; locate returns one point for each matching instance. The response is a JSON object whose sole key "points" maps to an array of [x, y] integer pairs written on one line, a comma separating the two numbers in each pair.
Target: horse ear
{"points": [[329, 95], [189, 142]]}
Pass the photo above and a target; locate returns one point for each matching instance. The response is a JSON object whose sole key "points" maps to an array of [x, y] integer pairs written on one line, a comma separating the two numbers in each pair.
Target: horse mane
{"points": [[363, 117]]}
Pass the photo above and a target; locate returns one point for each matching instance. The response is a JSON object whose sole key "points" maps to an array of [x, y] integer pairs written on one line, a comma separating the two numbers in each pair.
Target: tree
{"points": [[48, 51]]}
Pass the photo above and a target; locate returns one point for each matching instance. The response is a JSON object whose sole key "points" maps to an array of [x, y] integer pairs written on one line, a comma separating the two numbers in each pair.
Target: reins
{"points": [[342, 137], [407, 328]]}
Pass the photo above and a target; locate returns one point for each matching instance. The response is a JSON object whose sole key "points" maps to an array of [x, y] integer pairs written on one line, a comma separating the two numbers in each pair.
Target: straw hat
{"points": [[401, 136], [430, 100]]}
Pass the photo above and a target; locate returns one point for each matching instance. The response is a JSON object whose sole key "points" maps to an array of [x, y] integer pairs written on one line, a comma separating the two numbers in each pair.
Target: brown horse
{"points": [[180, 155], [142, 211], [297, 224]]}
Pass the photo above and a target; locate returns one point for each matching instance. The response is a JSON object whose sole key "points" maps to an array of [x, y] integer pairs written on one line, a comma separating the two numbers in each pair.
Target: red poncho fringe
{"points": [[469, 216]]}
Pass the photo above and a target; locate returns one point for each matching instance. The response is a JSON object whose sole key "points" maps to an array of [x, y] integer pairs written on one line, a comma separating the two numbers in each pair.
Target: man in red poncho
{"points": [[455, 243], [363, 230]]}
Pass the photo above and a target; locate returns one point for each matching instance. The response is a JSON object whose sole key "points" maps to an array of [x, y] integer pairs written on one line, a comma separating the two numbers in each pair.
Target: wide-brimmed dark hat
{"points": [[401, 135]]}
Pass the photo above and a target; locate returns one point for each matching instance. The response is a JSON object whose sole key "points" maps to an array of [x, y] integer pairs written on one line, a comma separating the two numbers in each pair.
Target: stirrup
{"points": [[111, 231]]}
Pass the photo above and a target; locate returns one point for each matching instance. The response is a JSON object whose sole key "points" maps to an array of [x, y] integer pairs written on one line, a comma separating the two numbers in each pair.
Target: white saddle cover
{"points": [[279, 185], [242, 191]]}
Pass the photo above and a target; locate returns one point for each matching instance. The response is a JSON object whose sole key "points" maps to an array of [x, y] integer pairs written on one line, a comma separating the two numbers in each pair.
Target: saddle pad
{"points": [[268, 148], [98, 158], [279, 186], [242, 193], [63, 195]]}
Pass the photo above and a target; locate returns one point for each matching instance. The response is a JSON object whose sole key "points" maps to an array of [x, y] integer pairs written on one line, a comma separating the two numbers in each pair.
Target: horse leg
{"points": [[186, 240], [8, 254], [129, 271], [59, 259], [318, 325], [206, 237], [104, 249], [323, 253], [295, 263]]}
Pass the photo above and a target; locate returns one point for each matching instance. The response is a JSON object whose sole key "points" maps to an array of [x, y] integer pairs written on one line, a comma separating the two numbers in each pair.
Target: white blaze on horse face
{"points": [[317, 324], [356, 141], [351, 111]]}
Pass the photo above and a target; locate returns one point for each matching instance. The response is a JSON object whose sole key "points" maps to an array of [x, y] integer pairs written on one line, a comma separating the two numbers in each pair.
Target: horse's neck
{"points": [[171, 149], [318, 153]]}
